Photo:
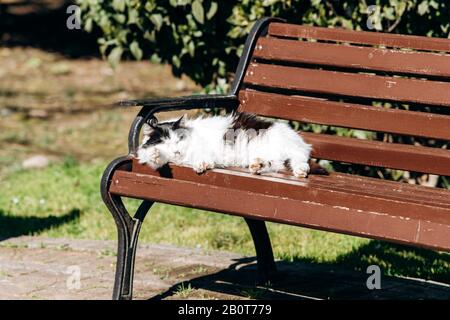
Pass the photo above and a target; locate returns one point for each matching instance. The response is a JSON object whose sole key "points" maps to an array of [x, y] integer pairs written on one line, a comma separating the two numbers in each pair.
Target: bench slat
{"points": [[364, 58], [349, 84], [360, 37], [287, 184], [349, 115], [377, 188], [427, 233], [380, 154]]}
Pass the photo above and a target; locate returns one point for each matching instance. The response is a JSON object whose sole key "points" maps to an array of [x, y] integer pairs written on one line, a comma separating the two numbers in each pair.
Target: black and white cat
{"points": [[238, 139]]}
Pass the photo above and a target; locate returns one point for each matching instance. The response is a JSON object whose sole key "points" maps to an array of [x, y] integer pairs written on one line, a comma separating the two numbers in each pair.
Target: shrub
{"points": [[204, 38]]}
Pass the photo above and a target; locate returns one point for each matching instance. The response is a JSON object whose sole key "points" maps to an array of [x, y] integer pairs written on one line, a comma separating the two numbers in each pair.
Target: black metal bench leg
{"points": [[263, 247], [128, 231]]}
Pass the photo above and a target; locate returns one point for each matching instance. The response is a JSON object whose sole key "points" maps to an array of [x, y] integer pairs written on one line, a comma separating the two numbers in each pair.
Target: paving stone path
{"points": [[43, 268]]}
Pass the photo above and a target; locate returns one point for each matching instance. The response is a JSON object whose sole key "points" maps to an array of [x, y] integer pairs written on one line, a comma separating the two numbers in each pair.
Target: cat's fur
{"points": [[238, 139]]}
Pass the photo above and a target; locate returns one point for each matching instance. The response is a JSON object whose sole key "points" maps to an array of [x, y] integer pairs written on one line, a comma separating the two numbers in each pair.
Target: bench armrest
{"points": [[181, 103], [152, 106]]}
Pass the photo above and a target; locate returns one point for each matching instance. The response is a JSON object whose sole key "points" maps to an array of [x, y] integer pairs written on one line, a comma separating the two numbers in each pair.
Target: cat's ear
{"points": [[153, 122], [180, 122], [146, 129], [149, 126]]}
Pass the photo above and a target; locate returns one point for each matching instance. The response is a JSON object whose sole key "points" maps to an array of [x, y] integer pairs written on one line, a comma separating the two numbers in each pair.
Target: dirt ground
{"points": [[60, 107]]}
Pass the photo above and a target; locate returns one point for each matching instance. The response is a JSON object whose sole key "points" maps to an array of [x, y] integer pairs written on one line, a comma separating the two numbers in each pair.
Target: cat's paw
{"points": [[150, 156], [301, 170], [142, 155], [256, 166], [202, 167]]}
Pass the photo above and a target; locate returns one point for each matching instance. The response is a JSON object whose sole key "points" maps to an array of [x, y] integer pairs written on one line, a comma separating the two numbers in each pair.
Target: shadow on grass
{"points": [[11, 226], [400, 260], [343, 279]]}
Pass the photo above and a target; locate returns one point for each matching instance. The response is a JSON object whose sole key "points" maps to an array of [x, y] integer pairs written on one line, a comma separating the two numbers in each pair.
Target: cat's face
{"points": [[155, 133]]}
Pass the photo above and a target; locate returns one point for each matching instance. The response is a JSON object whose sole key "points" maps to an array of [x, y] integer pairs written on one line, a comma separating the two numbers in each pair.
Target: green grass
{"points": [[184, 290], [63, 201]]}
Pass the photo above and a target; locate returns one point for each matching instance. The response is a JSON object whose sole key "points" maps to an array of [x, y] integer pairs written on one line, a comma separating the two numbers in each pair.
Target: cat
{"points": [[234, 140]]}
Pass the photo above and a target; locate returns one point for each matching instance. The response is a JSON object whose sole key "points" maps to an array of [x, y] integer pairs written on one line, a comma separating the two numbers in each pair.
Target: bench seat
{"points": [[344, 203]]}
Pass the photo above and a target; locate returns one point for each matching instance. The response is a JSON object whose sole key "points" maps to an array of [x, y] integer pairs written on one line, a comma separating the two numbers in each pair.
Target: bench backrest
{"points": [[333, 76]]}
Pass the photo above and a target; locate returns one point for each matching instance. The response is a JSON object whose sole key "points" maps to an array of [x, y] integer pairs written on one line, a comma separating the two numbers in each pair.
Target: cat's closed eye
{"points": [[182, 136]]}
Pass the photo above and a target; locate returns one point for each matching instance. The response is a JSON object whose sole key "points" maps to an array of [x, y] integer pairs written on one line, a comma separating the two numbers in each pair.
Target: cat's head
{"points": [[155, 133]]}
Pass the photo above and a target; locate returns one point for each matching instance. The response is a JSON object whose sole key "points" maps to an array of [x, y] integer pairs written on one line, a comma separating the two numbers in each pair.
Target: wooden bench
{"points": [[331, 81]]}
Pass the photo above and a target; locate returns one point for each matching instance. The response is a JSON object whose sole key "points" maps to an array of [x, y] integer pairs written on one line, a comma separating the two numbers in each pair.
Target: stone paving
{"points": [[43, 268]]}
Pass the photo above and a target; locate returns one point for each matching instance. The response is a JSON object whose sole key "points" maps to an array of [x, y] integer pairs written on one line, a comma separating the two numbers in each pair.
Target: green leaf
{"points": [[135, 50], [150, 36], [191, 48], [446, 182], [176, 61], [119, 5], [360, 134], [155, 58], [198, 12], [422, 8], [88, 25], [150, 6], [434, 4], [114, 56], [397, 174], [120, 18], [105, 24], [212, 10], [157, 20], [133, 16]]}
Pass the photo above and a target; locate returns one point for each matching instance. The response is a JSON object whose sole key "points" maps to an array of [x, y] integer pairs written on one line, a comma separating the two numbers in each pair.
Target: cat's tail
{"points": [[316, 168]]}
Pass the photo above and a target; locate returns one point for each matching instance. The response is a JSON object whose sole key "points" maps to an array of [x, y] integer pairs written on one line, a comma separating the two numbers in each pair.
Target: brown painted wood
{"points": [[361, 58], [380, 154], [349, 84], [430, 232], [349, 115], [284, 183], [360, 37], [377, 188]]}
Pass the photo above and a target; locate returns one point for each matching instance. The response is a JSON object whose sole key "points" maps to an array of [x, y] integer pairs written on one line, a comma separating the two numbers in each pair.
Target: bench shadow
{"points": [[400, 259], [345, 278], [12, 226]]}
